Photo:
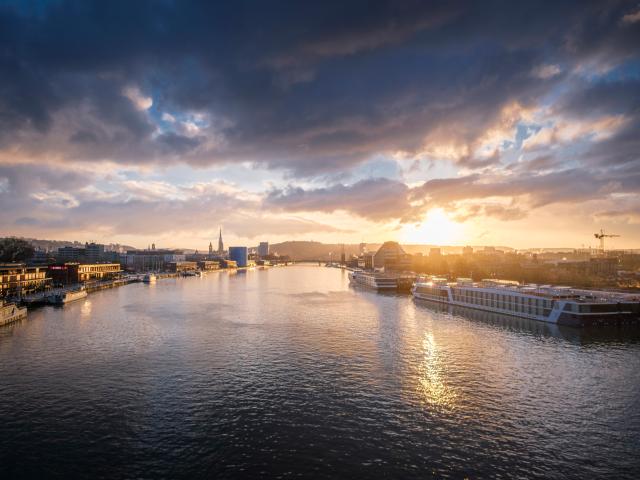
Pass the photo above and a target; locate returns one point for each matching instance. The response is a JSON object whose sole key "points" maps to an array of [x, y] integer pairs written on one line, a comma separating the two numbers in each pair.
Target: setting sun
{"points": [[437, 228]]}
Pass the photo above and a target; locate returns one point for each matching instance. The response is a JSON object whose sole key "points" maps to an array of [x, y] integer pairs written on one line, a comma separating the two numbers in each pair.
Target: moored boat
{"points": [[149, 278], [373, 280], [10, 312], [63, 298], [553, 304]]}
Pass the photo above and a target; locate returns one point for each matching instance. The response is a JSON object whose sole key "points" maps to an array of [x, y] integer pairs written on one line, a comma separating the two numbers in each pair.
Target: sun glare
{"points": [[437, 228]]}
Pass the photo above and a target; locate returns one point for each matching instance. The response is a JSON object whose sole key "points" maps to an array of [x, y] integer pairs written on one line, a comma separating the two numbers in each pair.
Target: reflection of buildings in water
{"points": [[432, 375], [627, 333]]}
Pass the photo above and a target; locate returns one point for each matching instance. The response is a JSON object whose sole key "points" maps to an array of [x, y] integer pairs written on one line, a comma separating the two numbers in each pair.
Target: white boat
{"points": [[10, 312], [66, 297], [554, 304], [149, 278], [373, 280]]}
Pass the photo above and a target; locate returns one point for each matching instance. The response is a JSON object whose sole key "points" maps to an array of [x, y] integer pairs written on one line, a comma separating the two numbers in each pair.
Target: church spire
{"points": [[220, 244]]}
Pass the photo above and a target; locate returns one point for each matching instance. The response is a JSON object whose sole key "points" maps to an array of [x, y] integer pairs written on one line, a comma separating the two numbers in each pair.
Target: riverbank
{"points": [[45, 298]]}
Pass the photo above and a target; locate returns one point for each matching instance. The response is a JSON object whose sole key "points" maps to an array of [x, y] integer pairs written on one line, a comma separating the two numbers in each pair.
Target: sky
{"points": [[481, 123]]}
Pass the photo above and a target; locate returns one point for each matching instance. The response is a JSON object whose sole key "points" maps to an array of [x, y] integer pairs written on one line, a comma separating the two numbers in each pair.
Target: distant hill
{"points": [[307, 250], [53, 245]]}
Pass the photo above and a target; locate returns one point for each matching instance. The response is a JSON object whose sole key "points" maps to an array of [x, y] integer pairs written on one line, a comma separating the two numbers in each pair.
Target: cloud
{"points": [[314, 90], [33, 205], [313, 96], [630, 18], [373, 199], [546, 71], [140, 101], [56, 199]]}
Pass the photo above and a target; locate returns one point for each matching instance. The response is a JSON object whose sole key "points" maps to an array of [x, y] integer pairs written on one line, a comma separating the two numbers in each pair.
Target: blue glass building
{"points": [[240, 255]]}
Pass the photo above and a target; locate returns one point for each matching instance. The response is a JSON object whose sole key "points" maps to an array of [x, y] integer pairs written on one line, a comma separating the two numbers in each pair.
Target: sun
{"points": [[436, 229]]}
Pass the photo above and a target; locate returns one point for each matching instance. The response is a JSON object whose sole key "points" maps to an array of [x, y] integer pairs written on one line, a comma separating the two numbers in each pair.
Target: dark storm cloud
{"points": [[305, 86]]}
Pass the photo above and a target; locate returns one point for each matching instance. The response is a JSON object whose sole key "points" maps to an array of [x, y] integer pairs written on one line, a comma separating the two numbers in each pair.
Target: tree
{"points": [[15, 250]]}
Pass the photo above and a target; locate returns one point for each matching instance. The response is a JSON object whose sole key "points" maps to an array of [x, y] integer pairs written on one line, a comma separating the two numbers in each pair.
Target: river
{"points": [[289, 372]]}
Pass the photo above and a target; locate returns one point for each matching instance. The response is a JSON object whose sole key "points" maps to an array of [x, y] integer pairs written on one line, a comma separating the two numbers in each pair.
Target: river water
{"points": [[289, 372]]}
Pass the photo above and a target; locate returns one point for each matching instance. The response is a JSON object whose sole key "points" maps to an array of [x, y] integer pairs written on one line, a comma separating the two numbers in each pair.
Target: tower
{"points": [[220, 244], [210, 248]]}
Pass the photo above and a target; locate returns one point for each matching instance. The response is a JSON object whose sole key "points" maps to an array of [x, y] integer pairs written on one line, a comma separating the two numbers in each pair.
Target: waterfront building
{"points": [[391, 256], [227, 263], [240, 255], [263, 249], [18, 279], [181, 266], [71, 273], [151, 260], [366, 261], [208, 265]]}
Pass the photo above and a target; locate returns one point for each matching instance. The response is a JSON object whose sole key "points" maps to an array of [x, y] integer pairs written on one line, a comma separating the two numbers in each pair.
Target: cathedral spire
{"points": [[220, 244]]}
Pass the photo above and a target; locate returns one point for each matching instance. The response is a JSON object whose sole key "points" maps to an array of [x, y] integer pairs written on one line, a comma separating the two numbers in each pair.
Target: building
{"points": [[435, 252], [208, 265], [151, 259], [366, 260], [41, 257], [70, 254], [467, 251], [18, 279], [70, 273], [391, 255], [226, 263], [181, 266], [240, 255], [93, 252], [263, 249]]}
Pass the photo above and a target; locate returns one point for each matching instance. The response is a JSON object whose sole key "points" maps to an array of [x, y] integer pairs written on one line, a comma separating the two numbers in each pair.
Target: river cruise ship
{"points": [[547, 303], [376, 281], [10, 312]]}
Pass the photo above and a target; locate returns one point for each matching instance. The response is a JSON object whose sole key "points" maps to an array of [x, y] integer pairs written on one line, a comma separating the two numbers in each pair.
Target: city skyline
{"points": [[422, 123]]}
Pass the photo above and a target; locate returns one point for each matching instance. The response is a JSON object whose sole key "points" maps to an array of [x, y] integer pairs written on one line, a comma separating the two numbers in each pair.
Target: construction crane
{"points": [[601, 236]]}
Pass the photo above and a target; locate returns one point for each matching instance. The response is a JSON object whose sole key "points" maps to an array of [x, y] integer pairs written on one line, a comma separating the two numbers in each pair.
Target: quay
{"points": [[50, 297]]}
